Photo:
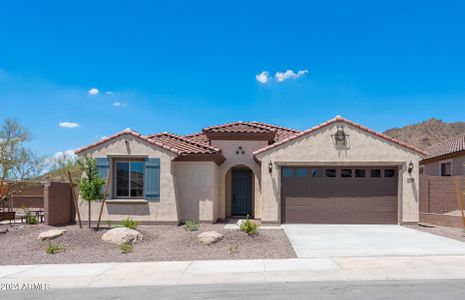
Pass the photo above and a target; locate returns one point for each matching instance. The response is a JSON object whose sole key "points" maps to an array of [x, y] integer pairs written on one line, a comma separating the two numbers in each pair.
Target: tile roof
{"points": [[453, 145], [244, 127], [183, 144], [198, 137], [239, 127], [171, 142], [340, 119]]}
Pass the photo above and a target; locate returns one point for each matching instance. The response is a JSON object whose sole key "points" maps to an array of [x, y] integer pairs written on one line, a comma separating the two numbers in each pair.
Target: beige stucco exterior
{"points": [[233, 159], [318, 148], [183, 193], [433, 168], [201, 190]]}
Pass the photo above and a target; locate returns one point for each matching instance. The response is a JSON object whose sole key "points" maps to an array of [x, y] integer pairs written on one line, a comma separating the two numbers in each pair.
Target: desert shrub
{"points": [[31, 220], [233, 249], [126, 248], [54, 248], [249, 227], [129, 223], [191, 225]]}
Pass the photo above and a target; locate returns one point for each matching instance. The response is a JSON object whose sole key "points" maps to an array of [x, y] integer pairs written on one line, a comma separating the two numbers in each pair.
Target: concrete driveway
{"points": [[314, 240]]}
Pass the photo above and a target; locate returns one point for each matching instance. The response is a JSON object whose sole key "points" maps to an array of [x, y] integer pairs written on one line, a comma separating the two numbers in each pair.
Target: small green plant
{"points": [[109, 223], [126, 248], [54, 248], [249, 227], [191, 225], [233, 249], [129, 223], [31, 220]]}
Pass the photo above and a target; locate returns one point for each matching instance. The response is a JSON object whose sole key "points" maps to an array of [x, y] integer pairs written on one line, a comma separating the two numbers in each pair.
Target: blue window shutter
{"points": [[103, 168], [152, 179]]}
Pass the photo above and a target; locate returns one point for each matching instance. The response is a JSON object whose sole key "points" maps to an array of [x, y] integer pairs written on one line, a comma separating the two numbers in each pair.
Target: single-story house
{"points": [[445, 159], [336, 172]]}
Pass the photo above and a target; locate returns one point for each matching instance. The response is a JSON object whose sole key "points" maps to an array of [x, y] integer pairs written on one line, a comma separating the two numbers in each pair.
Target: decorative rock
{"points": [[50, 234], [121, 235], [210, 237]]}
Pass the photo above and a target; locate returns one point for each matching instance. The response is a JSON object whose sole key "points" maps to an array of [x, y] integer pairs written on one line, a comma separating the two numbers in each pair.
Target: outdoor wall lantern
{"points": [[410, 167], [340, 136], [270, 167]]}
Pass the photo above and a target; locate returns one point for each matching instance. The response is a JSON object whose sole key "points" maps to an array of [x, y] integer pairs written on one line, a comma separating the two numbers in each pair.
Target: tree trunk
{"points": [[89, 212]]}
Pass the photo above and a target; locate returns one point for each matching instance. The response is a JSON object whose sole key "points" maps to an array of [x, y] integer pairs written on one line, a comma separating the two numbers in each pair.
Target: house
{"points": [[336, 172], [445, 159]]}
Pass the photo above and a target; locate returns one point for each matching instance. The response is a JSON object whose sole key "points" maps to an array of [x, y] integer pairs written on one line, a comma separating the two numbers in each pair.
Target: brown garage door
{"points": [[330, 195]]}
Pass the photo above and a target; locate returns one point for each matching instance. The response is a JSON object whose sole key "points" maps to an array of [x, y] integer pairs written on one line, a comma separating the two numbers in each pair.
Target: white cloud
{"points": [[103, 137], [69, 154], [68, 124], [93, 92], [263, 77], [109, 92], [289, 74], [61, 157], [116, 104]]}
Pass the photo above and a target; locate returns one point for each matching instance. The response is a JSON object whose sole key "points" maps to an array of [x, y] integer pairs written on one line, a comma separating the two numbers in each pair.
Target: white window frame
{"points": [[115, 180], [445, 162]]}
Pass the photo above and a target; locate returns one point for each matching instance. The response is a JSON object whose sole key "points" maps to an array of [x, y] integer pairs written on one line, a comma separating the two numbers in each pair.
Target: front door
{"points": [[241, 188]]}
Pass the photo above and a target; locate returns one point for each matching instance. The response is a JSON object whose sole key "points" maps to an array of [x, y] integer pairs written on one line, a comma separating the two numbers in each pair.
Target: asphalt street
{"points": [[360, 290]]}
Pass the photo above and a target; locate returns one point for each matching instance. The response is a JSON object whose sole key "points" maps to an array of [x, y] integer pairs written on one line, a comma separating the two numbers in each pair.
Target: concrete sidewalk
{"points": [[237, 271]]}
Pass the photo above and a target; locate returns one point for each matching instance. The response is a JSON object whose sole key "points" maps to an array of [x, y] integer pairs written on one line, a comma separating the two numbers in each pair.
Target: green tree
{"points": [[91, 184]]}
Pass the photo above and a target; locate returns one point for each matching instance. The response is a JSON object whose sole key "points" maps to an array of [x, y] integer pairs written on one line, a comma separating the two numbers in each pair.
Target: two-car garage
{"points": [[339, 195]]}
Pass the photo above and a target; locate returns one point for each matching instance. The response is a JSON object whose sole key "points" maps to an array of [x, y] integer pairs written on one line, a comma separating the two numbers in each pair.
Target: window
{"points": [[446, 169], [375, 172], [330, 172], [317, 172], [346, 173], [359, 172], [288, 172], [301, 172], [389, 172], [129, 179]]}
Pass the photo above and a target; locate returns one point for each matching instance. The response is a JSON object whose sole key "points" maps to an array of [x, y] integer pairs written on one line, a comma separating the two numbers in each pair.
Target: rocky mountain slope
{"points": [[427, 133]]}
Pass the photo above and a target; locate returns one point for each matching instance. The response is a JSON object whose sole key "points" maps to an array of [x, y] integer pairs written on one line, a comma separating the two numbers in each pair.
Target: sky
{"points": [[76, 71]]}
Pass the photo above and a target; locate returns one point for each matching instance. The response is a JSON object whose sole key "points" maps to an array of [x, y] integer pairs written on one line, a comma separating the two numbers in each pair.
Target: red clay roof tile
{"points": [[453, 145]]}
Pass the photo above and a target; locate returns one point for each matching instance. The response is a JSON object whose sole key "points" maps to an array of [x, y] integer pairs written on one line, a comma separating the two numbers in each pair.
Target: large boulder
{"points": [[121, 235], [210, 237], [50, 234]]}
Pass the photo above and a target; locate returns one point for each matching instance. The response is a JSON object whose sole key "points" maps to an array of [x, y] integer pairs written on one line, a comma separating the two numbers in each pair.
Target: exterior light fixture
{"points": [[410, 167], [340, 136], [270, 167]]}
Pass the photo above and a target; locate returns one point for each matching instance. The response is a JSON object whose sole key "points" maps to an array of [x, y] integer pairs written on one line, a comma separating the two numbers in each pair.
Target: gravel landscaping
{"points": [[161, 243], [448, 232]]}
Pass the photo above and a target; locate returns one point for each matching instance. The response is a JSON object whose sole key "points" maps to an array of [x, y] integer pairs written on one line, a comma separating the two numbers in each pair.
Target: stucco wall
{"points": [[229, 148], [318, 149], [433, 168], [163, 210], [196, 190]]}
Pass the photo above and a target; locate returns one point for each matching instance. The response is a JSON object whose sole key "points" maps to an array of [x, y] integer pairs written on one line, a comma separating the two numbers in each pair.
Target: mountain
{"points": [[427, 133]]}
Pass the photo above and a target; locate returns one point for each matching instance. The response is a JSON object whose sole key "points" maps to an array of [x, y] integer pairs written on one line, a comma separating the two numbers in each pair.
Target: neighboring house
{"points": [[336, 172], [445, 159]]}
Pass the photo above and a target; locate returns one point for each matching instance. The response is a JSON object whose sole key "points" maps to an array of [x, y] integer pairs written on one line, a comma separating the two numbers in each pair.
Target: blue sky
{"points": [[181, 66]]}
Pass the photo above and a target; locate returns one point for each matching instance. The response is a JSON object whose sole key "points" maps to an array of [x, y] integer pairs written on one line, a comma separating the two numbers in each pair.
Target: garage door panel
{"points": [[341, 200]]}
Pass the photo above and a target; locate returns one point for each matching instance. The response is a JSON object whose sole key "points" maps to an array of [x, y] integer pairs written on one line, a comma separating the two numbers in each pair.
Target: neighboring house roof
{"points": [[451, 146], [198, 137], [340, 119]]}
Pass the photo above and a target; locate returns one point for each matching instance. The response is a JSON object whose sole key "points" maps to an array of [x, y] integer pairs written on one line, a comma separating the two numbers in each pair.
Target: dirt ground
{"points": [[161, 243]]}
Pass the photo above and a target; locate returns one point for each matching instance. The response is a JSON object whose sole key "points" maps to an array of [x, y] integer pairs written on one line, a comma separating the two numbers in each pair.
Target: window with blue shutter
{"points": [[103, 168], [152, 179]]}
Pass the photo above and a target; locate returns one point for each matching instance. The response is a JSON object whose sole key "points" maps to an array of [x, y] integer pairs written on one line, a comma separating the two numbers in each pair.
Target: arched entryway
{"points": [[240, 180]]}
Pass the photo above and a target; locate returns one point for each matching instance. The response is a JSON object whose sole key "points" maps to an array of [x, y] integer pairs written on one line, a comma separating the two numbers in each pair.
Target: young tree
{"points": [[91, 183], [20, 168]]}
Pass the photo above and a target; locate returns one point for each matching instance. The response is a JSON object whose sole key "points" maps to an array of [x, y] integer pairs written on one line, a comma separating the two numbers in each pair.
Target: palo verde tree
{"points": [[20, 168], [91, 184]]}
